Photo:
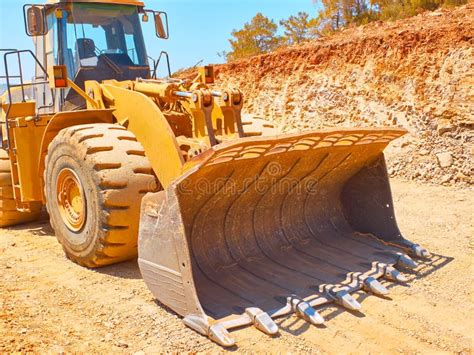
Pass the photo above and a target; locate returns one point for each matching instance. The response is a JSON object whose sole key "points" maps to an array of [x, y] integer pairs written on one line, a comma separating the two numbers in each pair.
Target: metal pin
{"points": [[405, 261], [393, 274], [419, 251], [304, 310], [262, 321], [220, 335], [374, 286]]}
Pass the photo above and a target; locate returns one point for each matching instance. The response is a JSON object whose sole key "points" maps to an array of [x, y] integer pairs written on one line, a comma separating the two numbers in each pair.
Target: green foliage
{"points": [[257, 37], [337, 14], [260, 34], [392, 10], [452, 3], [299, 28]]}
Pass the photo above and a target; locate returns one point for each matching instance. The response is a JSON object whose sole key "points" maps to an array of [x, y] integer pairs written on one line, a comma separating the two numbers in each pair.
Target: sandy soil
{"points": [[47, 303]]}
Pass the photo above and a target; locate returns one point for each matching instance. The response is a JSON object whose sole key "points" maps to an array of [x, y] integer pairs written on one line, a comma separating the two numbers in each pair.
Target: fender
{"points": [[64, 120]]}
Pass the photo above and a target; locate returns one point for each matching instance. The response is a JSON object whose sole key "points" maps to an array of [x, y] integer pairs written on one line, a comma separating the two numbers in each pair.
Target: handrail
{"points": [[22, 85], [157, 63]]}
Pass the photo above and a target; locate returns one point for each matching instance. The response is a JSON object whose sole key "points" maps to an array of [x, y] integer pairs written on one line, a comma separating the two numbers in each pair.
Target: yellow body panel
{"points": [[20, 109], [27, 135]]}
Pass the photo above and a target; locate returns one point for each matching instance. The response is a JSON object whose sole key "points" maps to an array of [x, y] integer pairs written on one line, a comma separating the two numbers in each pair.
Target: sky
{"points": [[199, 29]]}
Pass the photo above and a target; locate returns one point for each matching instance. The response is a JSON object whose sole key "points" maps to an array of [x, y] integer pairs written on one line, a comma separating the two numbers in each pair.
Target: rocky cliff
{"points": [[416, 73]]}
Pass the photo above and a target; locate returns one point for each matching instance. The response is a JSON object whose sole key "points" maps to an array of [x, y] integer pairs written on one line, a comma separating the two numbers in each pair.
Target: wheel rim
{"points": [[71, 200]]}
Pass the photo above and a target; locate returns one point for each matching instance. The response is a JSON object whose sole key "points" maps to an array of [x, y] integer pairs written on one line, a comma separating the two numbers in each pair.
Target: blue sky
{"points": [[199, 29]]}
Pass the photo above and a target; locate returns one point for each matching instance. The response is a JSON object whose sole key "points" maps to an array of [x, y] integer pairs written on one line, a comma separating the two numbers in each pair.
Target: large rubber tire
{"points": [[9, 216], [255, 126], [111, 167]]}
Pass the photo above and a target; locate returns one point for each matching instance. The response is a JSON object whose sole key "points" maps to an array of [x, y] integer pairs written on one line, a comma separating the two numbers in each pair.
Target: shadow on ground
{"points": [[296, 326]]}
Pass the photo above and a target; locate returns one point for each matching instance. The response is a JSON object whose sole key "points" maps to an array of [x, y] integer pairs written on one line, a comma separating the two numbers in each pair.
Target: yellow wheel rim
{"points": [[71, 200]]}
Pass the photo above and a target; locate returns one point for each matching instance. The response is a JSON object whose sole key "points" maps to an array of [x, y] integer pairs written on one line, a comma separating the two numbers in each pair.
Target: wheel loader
{"points": [[234, 224]]}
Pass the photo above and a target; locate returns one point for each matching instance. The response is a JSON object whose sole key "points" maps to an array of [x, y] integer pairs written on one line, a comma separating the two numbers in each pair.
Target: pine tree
{"points": [[256, 37], [298, 28]]}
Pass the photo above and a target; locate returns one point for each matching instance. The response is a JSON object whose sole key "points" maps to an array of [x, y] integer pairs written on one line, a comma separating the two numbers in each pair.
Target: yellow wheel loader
{"points": [[233, 223]]}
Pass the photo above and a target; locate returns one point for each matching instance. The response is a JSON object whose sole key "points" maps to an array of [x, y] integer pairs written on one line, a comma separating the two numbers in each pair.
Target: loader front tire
{"points": [[9, 215], [95, 178]]}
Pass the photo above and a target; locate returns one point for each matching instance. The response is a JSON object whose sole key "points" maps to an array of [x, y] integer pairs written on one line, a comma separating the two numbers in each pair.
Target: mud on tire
{"points": [[9, 216], [114, 174]]}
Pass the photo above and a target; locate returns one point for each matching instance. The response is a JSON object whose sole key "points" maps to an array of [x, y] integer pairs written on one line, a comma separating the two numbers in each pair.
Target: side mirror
{"points": [[35, 21], [161, 25]]}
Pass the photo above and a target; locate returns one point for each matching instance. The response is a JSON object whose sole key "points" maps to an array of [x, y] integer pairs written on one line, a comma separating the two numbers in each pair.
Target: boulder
{"points": [[445, 159]]}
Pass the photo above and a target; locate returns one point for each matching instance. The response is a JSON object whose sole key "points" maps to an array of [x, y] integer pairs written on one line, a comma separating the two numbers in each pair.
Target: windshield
{"points": [[102, 31]]}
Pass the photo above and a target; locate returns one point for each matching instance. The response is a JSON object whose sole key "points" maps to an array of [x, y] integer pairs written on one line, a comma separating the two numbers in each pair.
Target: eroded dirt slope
{"points": [[416, 73], [49, 304]]}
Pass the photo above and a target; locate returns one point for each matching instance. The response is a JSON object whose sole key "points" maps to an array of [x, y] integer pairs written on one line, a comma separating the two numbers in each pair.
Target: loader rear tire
{"points": [[95, 178], [9, 215], [255, 126]]}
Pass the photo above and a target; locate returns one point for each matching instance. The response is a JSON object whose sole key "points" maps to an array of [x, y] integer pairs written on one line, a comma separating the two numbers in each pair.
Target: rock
{"points": [[444, 125], [446, 178], [109, 336], [424, 151], [445, 159], [108, 324], [461, 177], [405, 144], [122, 344]]}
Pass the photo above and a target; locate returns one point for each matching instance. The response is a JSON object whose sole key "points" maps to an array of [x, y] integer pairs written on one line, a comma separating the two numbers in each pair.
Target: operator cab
{"points": [[95, 40], [98, 42]]}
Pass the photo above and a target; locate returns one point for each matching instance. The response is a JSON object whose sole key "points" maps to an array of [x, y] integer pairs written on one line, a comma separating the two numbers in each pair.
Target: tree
{"points": [[330, 16], [336, 14], [256, 37], [298, 28]]}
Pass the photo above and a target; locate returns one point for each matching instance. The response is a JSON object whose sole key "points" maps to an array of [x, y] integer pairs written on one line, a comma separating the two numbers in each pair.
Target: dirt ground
{"points": [[47, 303]]}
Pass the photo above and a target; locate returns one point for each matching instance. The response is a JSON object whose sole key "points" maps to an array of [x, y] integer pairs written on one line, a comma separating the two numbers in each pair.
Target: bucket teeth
{"points": [[220, 335], [304, 310], [405, 261], [262, 321], [393, 274], [374, 286], [344, 299], [419, 251]]}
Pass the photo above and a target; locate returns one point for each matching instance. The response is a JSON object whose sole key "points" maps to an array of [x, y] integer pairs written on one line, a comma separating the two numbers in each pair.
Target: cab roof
{"points": [[116, 2]]}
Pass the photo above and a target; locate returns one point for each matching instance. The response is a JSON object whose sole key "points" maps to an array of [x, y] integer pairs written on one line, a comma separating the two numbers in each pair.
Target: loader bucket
{"points": [[263, 227]]}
